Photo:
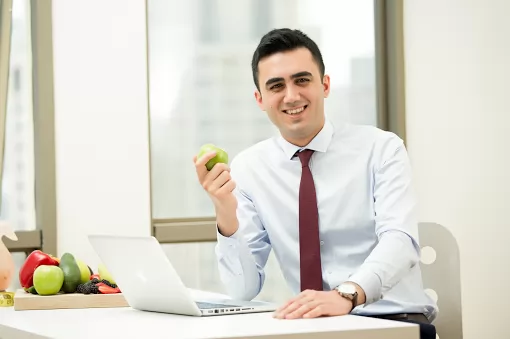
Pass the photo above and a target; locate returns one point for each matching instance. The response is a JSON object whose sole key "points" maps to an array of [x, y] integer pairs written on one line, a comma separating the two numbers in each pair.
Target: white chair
{"points": [[440, 266]]}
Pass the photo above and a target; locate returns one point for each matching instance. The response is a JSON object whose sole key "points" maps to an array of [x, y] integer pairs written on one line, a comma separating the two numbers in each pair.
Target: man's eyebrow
{"points": [[293, 76], [273, 80], [301, 74]]}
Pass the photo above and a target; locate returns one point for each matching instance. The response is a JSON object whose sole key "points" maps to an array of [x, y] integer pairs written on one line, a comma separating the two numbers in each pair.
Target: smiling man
{"points": [[335, 203]]}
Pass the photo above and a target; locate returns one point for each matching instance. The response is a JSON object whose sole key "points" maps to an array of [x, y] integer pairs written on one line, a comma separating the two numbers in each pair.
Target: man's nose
{"points": [[292, 95]]}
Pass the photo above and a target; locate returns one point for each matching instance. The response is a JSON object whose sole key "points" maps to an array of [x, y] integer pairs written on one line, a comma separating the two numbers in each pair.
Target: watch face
{"points": [[347, 288]]}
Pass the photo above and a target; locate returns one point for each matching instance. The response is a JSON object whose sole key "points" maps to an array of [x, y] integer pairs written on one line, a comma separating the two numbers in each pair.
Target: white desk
{"points": [[129, 323]]}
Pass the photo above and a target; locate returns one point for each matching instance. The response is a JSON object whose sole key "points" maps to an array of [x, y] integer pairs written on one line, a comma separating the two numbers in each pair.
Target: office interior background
{"points": [[106, 108]]}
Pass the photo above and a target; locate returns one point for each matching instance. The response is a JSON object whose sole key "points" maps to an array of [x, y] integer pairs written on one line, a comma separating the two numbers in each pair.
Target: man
{"points": [[334, 203]]}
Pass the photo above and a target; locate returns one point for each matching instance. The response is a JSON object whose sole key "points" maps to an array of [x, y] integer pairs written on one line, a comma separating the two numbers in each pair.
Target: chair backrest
{"points": [[440, 265]]}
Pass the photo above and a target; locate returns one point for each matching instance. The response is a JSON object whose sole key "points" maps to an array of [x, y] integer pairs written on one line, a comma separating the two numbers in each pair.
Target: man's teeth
{"points": [[295, 111]]}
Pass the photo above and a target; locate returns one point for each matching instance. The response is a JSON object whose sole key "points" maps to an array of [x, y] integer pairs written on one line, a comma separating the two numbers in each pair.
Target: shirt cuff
{"points": [[370, 283], [228, 243]]}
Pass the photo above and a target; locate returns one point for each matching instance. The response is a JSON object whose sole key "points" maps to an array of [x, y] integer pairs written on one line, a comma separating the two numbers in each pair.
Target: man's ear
{"points": [[258, 98], [327, 85]]}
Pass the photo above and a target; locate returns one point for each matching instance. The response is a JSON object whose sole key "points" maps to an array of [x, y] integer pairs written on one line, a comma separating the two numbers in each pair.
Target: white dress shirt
{"points": [[367, 220]]}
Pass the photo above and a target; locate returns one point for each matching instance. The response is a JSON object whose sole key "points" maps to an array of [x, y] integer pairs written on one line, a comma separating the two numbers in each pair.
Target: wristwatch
{"points": [[348, 291]]}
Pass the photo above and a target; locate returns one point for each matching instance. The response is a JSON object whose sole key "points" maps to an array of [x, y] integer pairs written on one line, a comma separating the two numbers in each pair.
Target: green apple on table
{"points": [[48, 279], [220, 157]]}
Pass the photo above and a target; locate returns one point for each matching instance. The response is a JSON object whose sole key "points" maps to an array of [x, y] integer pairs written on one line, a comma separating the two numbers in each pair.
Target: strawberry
{"points": [[105, 289]]}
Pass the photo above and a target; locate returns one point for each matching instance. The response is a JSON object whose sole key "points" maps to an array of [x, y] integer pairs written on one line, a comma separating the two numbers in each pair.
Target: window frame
{"points": [[390, 101]]}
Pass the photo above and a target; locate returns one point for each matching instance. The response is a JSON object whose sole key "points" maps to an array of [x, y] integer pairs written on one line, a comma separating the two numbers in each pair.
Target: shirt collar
{"points": [[319, 144]]}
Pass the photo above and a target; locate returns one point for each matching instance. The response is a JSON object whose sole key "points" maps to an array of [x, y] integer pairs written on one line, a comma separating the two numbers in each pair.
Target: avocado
{"points": [[72, 274]]}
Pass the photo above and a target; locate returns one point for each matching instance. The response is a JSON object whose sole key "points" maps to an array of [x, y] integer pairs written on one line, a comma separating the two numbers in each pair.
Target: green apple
{"points": [[220, 157], [48, 279], [84, 271], [104, 274]]}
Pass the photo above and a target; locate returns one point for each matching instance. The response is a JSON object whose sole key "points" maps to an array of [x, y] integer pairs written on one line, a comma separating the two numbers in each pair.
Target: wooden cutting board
{"points": [[28, 301]]}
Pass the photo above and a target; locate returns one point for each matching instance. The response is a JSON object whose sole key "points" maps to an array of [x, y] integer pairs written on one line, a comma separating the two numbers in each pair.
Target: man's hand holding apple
{"points": [[213, 173]]}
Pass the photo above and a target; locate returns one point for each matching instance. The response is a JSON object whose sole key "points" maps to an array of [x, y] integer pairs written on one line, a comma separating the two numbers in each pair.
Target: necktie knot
{"points": [[305, 156]]}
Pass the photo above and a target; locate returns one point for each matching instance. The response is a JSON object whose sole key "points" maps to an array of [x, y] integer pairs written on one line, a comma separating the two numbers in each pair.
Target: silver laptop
{"points": [[149, 282]]}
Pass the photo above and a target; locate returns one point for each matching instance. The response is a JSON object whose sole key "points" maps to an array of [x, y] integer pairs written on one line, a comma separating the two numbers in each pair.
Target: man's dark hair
{"points": [[283, 40]]}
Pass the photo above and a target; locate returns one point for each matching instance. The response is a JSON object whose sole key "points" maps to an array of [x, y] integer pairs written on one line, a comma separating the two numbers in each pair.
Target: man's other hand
{"points": [[313, 304]]}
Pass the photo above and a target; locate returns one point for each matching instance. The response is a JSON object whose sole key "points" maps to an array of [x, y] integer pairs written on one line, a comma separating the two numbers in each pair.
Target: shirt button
{"points": [[322, 242]]}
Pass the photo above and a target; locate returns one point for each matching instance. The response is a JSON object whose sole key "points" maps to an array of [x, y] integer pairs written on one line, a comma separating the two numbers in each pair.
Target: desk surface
{"points": [[129, 323]]}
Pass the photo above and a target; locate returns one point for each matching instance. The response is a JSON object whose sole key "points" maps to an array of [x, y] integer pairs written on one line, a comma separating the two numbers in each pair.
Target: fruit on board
{"points": [[84, 271], [105, 282], [48, 279], [220, 157], [67, 274], [88, 288], [105, 289], [72, 273], [104, 274], [34, 260], [96, 286]]}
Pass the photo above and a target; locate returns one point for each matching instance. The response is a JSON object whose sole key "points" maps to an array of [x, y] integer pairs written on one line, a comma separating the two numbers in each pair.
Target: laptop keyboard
{"points": [[204, 305]]}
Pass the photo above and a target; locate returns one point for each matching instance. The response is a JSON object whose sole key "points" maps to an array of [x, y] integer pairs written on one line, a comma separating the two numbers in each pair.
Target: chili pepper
{"points": [[34, 260]]}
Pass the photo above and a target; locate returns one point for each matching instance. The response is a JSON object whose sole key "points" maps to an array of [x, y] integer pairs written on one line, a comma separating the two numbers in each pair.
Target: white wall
{"points": [[457, 109], [458, 117], [101, 113]]}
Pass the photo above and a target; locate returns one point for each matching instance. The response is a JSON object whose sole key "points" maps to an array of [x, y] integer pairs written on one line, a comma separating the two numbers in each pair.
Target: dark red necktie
{"points": [[309, 243]]}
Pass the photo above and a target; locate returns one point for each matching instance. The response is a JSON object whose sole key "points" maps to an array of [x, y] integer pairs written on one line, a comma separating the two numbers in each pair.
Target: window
{"points": [[18, 175], [201, 91], [201, 87], [18, 201]]}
